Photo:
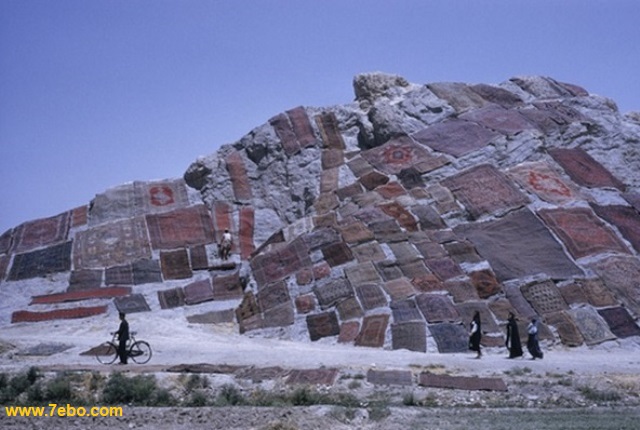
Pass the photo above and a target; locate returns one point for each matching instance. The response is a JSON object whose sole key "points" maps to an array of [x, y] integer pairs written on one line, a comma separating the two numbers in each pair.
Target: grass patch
{"points": [[600, 396], [518, 371]]}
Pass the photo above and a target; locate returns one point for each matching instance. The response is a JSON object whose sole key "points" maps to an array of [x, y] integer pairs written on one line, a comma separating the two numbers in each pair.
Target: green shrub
{"points": [[262, 397], [197, 398], [409, 399], [58, 390], [304, 396], [344, 399], [139, 390], [35, 394], [230, 395], [4, 381], [19, 384], [196, 381]]}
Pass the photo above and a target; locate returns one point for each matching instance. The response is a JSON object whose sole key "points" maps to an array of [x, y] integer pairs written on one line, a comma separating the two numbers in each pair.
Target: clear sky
{"points": [[96, 93]]}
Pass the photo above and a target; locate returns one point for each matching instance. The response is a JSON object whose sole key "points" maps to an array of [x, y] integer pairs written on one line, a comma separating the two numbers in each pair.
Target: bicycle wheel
{"points": [[140, 352], [107, 353]]}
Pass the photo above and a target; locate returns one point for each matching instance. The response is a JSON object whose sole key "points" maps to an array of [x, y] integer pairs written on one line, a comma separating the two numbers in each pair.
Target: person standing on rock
{"points": [[123, 337], [475, 334], [532, 342], [513, 337], [225, 245]]}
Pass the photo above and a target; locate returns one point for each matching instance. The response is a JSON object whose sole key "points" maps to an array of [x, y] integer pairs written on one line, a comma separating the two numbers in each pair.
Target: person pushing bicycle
{"points": [[123, 337]]}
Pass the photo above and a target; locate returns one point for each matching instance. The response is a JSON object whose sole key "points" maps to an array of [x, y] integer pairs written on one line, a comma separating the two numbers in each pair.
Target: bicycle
{"points": [[138, 350]]}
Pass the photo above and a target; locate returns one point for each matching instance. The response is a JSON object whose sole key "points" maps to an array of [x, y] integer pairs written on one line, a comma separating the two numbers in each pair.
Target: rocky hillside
{"points": [[386, 222]]}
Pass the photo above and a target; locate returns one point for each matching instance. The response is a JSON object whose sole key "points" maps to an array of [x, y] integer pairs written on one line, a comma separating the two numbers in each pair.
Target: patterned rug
{"points": [[500, 242], [485, 190]]}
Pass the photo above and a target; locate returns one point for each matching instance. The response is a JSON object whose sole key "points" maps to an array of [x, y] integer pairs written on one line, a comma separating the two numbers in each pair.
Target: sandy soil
{"points": [[532, 384]]}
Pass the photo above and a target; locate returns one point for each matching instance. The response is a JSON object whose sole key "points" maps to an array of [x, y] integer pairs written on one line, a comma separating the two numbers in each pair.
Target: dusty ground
{"points": [[596, 387]]}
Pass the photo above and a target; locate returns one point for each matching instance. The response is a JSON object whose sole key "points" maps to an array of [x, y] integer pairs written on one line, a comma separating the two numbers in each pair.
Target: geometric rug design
{"points": [[323, 325], [625, 218], [112, 244], [620, 322], [593, 327], [581, 231], [409, 335], [485, 190], [565, 327], [198, 292], [131, 304], [405, 310], [171, 298], [500, 242], [544, 181], [437, 308], [450, 337], [620, 274], [373, 331], [41, 262], [175, 264], [544, 296], [41, 233], [181, 227]]}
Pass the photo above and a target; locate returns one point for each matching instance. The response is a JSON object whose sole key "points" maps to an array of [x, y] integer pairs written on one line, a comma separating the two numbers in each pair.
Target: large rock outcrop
{"points": [[385, 222]]}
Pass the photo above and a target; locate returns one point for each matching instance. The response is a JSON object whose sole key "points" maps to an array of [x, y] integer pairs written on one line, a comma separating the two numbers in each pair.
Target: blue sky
{"points": [[97, 93]]}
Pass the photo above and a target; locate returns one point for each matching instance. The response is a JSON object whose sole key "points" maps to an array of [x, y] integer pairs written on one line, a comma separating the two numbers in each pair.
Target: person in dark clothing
{"points": [[475, 334], [123, 337], [532, 342], [513, 337]]}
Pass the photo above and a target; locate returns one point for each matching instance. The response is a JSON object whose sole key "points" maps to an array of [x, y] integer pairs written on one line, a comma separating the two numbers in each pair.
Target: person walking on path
{"points": [[513, 337], [532, 342], [475, 334]]}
